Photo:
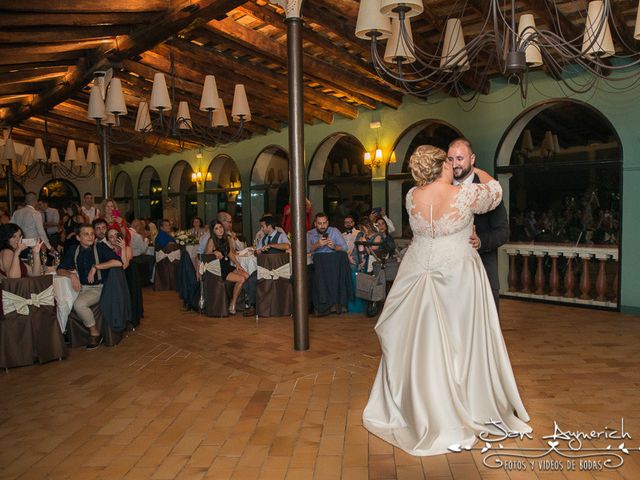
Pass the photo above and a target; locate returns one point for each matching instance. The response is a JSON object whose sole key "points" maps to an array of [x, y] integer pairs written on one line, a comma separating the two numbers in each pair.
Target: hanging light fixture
{"points": [[510, 51], [154, 117]]}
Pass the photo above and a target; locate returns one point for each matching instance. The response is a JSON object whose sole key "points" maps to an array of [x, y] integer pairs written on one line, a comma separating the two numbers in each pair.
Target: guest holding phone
{"points": [[111, 213], [12, 245]]}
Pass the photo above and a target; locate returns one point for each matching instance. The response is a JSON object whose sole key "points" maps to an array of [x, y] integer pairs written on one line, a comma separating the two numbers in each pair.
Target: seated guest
{"points": [[71, 220], [203, 240], [226, 220], [273, 240], [260, 233], [164, 236], [323, 238], [87, 265], [11, 246], [331, 280], [220, 245], [197, 228], [377, 213], [383, 244], [139, 243], [100, 229], [118, 244], [350, 235]]}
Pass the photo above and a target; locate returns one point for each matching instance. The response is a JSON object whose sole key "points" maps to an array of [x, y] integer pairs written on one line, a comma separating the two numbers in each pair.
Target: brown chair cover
{"points": [[216, 296], [36, 336], [80, 335], [274, 297], [166, 271]]}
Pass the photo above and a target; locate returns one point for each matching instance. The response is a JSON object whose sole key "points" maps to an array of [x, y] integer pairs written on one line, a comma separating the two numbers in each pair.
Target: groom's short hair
{"points": [[463, 141]]}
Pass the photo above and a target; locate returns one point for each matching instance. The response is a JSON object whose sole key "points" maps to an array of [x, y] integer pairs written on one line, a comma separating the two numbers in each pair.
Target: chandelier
{"points": [[504, 45], [34, 161], [107, 106]]}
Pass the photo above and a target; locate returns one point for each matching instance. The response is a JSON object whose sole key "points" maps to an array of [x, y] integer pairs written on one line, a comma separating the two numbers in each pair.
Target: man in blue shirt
{"points": [[87, 265], [323, 238]]}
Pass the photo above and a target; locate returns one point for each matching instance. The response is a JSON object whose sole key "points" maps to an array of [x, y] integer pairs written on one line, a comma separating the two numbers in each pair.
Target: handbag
{"points": [[370, 287]]}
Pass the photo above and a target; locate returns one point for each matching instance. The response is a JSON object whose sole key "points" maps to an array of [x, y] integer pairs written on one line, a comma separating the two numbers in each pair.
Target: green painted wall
{"points": [[484, 123]]}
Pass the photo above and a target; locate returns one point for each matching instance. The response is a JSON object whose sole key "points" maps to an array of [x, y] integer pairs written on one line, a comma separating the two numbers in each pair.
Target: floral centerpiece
{"points": [[184, 238]]}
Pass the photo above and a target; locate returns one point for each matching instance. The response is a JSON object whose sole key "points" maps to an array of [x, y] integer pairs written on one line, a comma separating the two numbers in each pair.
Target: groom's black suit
{"points": [[493, 230]]}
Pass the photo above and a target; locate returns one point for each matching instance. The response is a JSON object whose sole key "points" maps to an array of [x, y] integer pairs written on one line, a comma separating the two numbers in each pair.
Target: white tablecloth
{"points": [[65, 296], [248, 262]]}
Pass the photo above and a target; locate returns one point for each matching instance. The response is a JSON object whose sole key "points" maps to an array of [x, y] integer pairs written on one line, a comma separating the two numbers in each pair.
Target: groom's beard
{"points": [[460, 173]]}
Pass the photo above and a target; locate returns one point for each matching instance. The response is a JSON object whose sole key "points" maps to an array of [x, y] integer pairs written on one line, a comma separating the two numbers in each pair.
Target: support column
{"points": [[297, 179], [105, 162], [9, 178]]}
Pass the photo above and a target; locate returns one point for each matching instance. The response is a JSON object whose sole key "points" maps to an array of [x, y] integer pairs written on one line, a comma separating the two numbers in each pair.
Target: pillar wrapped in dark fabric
{"points": [[215, 292], [274, 295], [166, 270], [35, 335], [331, 281]]}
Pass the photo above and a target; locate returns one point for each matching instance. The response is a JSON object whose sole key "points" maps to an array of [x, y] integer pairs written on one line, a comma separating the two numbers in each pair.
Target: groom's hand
{"points": [[474, 240]]}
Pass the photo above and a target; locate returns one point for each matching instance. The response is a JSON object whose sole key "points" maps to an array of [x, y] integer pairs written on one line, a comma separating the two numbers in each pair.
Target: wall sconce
{"points": [[374, 159], [198, 177]]}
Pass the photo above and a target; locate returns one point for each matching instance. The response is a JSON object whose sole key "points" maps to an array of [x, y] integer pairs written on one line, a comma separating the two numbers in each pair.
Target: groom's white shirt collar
{"points": [[466, 181]]}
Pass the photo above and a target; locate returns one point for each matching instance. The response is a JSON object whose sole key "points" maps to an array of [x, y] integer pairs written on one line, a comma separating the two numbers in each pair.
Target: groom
{"points": [[491, 229]]}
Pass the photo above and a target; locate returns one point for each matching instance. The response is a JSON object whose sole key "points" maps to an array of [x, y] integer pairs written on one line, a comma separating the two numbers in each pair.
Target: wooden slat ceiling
{"points": [[49, 51]]}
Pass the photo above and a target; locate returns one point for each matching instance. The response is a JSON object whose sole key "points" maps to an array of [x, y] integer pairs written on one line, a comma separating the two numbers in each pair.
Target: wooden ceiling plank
{"points": [[33, 74], [18, 20], [88, 6], [61, 34]]}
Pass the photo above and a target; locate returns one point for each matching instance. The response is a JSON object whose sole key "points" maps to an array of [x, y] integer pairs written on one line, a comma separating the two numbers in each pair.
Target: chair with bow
{"points": [[214, 288], [166, 272], [274, 292], [80, 335], [29, 328]]}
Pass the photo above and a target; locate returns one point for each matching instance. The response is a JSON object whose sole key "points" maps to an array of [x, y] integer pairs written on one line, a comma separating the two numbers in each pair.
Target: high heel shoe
{"points": [[232, 310]]}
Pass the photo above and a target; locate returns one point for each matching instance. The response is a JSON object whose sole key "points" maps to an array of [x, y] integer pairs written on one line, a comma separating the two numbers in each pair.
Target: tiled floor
{"points": [[188, 396]]}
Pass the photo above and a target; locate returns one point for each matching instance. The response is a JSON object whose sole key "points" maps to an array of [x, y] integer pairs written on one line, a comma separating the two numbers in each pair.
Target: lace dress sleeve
{"points": [[482, 197], [408, 200]]}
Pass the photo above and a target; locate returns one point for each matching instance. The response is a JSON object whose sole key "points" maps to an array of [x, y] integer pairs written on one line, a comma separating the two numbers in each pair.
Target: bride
{"points": [[445, 371]]}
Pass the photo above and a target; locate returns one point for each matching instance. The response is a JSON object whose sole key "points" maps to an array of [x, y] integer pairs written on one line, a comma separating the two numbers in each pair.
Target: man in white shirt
{"points": [[138, 243], [51, 221], [88, 207], [30, 220], [350, 234]]}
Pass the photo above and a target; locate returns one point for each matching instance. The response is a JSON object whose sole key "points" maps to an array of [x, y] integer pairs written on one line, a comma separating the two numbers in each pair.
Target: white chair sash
{"points": [[172, 256], [15, 303], [283, 271], [212, 267]]}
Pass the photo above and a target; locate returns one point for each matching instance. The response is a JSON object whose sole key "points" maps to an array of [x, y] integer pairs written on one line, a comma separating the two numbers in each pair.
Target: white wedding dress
{"points": [[445, 370]]}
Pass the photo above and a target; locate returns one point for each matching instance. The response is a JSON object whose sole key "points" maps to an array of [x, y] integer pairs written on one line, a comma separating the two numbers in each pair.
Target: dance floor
{"points": [[186, 396]]}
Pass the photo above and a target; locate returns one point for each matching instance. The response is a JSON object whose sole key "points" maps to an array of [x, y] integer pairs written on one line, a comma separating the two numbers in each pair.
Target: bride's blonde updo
{"points": [[426, 164]]}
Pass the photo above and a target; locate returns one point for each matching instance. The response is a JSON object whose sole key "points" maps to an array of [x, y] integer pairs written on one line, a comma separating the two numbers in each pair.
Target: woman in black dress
{"points": [[71, 221], [221, 247]]}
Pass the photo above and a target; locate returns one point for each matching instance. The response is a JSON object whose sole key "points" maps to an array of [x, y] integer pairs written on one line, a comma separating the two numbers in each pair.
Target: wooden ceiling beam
{"points": [[269, 78], [61, 34], [323, 72], [25, 87], [77, 19], [143, 38], [33, 74], [88, 6]]}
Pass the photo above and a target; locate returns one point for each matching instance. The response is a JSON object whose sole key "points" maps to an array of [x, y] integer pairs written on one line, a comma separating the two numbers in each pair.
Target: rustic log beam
{"points": [[17, 19], [323, 72], [25, 87], [61, 34], [76, 6], [33, 74]]}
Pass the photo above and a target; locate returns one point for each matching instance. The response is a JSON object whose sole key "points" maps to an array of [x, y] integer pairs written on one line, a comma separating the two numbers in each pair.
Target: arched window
{"points": [[123, 194], [59, 192], [339, 182], [269, 184], [399, 180], [150, 194], [18, 194], [184, 192], [223, 191]]}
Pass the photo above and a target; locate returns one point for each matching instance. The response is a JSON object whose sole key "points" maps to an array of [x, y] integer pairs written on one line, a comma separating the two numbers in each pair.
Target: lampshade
{"points": [[345, 165], [92, 154], [110, 119], [219, 115], [9, 150], [454, 50], [54, 158], [393, 158], [80, 160], [115, 99], [556, 144], [209, 97], [240, 104], [414, 7], [397, 45], [526, 34], [159, 94], [597, 35], [71, 153], [184, 117], [371, 20], [39, 153], [547, 142], [5, 133], [367, 158], [527, 141], [27, 157], [336, 170], [96, 110], [143, 118], [636, 33], [354, 170]]}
